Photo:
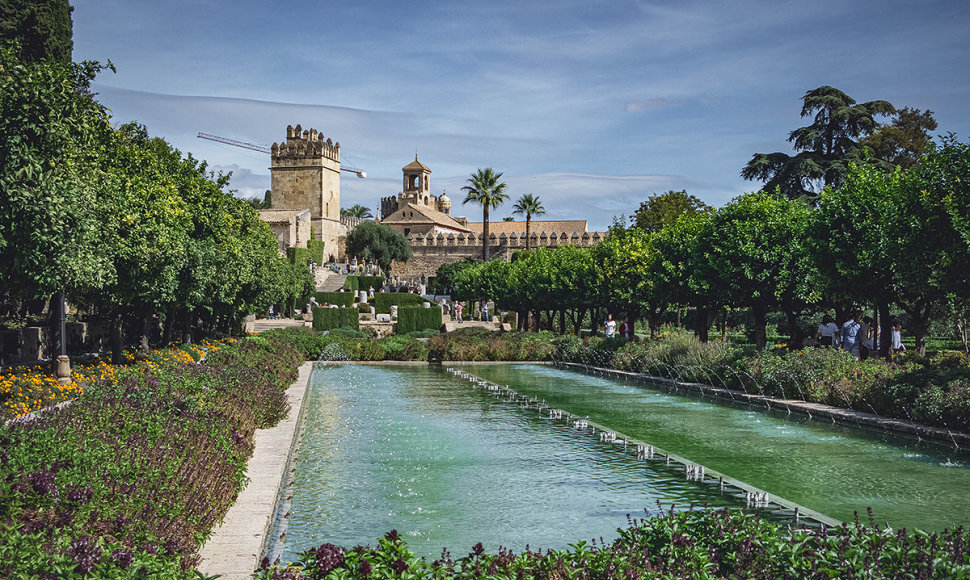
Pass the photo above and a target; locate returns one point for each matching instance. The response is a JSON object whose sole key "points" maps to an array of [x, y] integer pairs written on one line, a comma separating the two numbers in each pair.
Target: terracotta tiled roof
{"points": [[536, 227], [422, 215], [416, 165]]}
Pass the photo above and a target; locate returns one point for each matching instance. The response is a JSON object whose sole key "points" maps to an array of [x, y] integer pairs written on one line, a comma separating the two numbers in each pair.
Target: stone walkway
{"points": [[235, 546], [262, 324]]}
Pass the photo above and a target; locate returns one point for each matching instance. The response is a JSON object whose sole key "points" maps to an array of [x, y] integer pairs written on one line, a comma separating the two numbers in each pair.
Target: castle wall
{"points": [[432, 251]]}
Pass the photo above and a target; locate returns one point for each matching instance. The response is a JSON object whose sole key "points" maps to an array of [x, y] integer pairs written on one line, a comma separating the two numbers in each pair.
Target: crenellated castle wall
{"points": [[434, 250]]}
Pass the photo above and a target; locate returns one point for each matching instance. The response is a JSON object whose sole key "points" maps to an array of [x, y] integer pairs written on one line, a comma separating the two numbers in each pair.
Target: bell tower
{"points": [[417, 183]]}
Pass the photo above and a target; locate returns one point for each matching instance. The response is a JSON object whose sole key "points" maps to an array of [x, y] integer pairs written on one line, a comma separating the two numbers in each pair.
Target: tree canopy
{"points": [[41, 29], [826, 147], [378, 243], [662, 210]]}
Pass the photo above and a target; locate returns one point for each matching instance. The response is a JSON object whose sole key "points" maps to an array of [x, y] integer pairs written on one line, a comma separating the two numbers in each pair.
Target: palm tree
{"points": [[357, 211], [529, 205], [485, 188]]}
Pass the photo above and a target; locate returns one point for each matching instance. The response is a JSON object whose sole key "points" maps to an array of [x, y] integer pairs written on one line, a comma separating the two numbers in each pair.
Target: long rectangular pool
{"points": [[416, 449]]}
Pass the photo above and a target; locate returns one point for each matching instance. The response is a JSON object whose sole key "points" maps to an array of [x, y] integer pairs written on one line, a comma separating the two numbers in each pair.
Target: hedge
{"points": [[327, 318], [358, 283], [315, 250], [338, 298], [298, 255], [413, 318], [384, 300]]}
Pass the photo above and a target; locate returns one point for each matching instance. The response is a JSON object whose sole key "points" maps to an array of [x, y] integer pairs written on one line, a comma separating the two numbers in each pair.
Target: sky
{"points": [[592, 106]]}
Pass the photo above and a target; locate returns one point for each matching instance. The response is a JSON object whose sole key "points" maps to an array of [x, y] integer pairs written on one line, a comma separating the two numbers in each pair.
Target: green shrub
{"points": [[415, 318], [351, 284], [397, 347], [384, 300], [338, 298], [315, 251], [328, 318], [349, 333], [298, 255]]}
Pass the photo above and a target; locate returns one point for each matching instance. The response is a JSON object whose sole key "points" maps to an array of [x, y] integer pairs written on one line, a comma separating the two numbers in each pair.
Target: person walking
{"points": [[865, 338], [626, 330], [485, 312], [458, 312], [827, 333], [610, 326], [897, 334], [850, 334]]}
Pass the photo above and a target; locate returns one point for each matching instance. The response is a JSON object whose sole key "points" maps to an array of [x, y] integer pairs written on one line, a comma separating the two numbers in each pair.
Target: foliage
{"points": [[384, 300], [315, 250], [826, 147], [486, 189], [686, 544], [416, 318], [903, 142], [50, 133], [479, 344], [134, 473], [357, 211], [378, 243], [40, 29], [327, 318], [338, 298], [662, 210], [365, 283]]}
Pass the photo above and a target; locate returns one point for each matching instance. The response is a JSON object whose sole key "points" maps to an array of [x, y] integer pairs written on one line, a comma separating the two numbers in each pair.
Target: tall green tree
{"points": [[662, 210], [50, 179], [826, 147], [529, 205], [42, 29], [485, 188], [754, 257], [904, 141], [378, 243]]}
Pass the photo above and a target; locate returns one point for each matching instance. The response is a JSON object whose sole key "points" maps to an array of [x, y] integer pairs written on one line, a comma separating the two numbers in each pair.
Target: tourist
{"points": [[827, 333], [626, 329], [458, 312], [610, 326], [850, 334], [370, 292], [484, 311], [865, 338], [897, 343], [271, 314]]}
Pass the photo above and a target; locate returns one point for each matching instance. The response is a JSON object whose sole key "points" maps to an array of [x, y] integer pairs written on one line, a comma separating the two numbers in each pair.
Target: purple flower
{"points": [[122, 558], [399, 566], [85, 553], [329, 558]]}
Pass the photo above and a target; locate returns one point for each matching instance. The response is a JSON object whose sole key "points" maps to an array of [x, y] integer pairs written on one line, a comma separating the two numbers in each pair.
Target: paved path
{"points": [[235, 546]]}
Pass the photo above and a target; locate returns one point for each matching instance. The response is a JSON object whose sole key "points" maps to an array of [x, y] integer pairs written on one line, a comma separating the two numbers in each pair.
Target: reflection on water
{"points": [[418, 450], [834, 469]]}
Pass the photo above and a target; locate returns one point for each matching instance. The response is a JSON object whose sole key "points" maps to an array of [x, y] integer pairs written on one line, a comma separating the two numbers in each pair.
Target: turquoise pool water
{"points": [[416, 449]]}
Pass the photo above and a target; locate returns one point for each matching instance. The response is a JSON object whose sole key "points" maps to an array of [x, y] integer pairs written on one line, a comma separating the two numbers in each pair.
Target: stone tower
{"points": [[306, 175]]}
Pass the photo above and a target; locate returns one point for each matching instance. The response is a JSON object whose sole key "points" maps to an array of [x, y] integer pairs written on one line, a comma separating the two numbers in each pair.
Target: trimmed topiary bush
{"points": [[384, 300], [328, 318], [414, 318], [338, 298]]}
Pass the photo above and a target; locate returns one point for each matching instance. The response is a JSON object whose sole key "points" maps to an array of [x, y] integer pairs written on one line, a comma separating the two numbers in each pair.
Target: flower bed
{"points": [[130, 478], [692, 544]]}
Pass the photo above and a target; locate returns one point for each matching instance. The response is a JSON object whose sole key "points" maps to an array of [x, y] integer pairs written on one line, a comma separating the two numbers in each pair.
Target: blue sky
{"points": [[592, 106]]}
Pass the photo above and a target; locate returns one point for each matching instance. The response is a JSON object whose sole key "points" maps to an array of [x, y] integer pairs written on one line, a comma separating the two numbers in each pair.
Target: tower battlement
{"points": [[303, 147]]}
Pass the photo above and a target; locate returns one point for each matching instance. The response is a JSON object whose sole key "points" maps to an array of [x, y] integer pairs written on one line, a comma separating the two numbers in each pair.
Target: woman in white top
{"points": [[897, 343], [610, 326], [828, 332]]}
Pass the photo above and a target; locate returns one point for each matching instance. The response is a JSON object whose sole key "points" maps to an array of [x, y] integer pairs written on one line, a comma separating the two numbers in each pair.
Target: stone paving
{"points": [[235, 547]]}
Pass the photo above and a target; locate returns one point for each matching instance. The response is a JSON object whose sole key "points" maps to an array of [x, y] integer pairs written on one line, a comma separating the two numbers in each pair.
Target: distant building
{"points": [[305, 172], [291, 227], [416, 210], [436, 237]]}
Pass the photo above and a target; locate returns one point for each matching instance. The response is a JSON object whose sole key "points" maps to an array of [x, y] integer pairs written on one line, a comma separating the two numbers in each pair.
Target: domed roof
{"points": [[443, 198]]}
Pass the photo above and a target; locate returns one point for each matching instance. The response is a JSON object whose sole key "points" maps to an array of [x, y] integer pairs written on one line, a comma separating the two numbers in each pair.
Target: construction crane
{"points": [[262, 149]]}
